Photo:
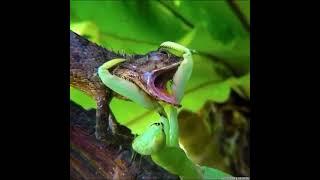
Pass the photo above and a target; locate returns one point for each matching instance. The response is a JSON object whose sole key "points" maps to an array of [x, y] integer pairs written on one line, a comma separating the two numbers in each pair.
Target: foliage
{"points": [[210, 27]]}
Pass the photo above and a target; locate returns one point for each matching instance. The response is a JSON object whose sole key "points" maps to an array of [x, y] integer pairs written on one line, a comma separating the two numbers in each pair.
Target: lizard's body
{"points": [[149, 72], [85, 59]]}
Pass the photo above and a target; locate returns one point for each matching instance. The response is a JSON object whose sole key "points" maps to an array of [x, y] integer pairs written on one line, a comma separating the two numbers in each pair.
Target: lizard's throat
{"points": [[158, 84]]}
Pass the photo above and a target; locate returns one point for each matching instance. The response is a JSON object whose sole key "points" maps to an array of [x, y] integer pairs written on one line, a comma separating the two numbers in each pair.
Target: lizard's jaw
{"points": [[157, 83]]}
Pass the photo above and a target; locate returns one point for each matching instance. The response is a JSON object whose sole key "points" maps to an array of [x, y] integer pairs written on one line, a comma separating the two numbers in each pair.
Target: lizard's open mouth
{"points": [[158, 83]]}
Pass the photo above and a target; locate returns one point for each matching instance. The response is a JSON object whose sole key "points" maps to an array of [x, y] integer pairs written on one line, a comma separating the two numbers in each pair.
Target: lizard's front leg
{"points": [[107, 127], [103, 131]]}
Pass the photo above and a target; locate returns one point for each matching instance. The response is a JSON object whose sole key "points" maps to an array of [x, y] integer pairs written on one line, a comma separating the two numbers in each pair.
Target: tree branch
{"points": [[93, 159]]}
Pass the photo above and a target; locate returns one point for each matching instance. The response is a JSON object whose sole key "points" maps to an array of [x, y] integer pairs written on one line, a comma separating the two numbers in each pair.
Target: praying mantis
{"points": [[161, 139]]}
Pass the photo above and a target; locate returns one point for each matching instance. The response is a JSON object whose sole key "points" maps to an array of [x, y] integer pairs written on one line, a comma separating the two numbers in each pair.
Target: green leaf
{"points": [[198, 139], [244, 6], [216, 30], [133, 116], [216, 136], [211, 173], [82, 99], [241, 85], [140, 26], [175, 160]]}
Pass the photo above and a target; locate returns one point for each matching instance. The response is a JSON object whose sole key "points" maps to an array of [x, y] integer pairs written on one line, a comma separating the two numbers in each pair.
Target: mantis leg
{"points": [[124, 87], [180, 79], [173, 127], [184, 71]]}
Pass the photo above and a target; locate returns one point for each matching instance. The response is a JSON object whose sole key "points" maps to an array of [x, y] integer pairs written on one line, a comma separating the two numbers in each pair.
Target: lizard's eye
{"points": [[164, 52], [156, 56], [165, 55]]}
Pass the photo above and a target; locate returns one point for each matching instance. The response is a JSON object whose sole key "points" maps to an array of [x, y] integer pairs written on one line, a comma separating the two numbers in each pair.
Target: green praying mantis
{"points": [[133, 92], [161, 139]]}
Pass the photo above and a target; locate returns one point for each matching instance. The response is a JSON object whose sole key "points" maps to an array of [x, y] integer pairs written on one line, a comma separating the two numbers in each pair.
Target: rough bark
{"points": [[93, 159]]}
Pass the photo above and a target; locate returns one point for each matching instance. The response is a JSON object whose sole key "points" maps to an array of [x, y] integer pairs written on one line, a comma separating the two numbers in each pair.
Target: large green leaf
{"points": [[142, 23], [217, 30], [211, 173], [81, 98], [244, 6], [177, 162], [140, 26]]}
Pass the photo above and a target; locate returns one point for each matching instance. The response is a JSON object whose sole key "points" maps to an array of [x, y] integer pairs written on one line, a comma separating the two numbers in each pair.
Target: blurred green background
{"points": [[210, 27], [213, 28]]}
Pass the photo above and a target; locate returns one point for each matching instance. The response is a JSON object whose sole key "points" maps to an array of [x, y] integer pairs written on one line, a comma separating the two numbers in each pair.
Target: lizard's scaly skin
{"points": [[85, 59]]}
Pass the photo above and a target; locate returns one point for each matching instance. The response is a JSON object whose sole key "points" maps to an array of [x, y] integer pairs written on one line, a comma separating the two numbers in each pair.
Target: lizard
{"points": [[150, 72]]}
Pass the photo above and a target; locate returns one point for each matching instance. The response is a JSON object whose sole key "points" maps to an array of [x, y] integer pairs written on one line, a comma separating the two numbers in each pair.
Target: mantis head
{"points": [[151, 73]]}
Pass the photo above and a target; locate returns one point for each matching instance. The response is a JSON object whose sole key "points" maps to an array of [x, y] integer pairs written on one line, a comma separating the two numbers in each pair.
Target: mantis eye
{"points": [[158, 124]]}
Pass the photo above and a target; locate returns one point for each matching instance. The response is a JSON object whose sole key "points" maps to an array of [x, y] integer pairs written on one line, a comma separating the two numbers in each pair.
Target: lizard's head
{"points": [[152, 73]]}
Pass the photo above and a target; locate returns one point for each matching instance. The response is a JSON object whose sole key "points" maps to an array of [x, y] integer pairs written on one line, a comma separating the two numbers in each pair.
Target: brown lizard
{"points": [[85, 59]]}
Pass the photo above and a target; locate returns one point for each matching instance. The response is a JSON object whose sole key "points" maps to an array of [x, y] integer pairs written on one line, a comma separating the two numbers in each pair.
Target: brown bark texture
{"points": [[94, 159]]}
